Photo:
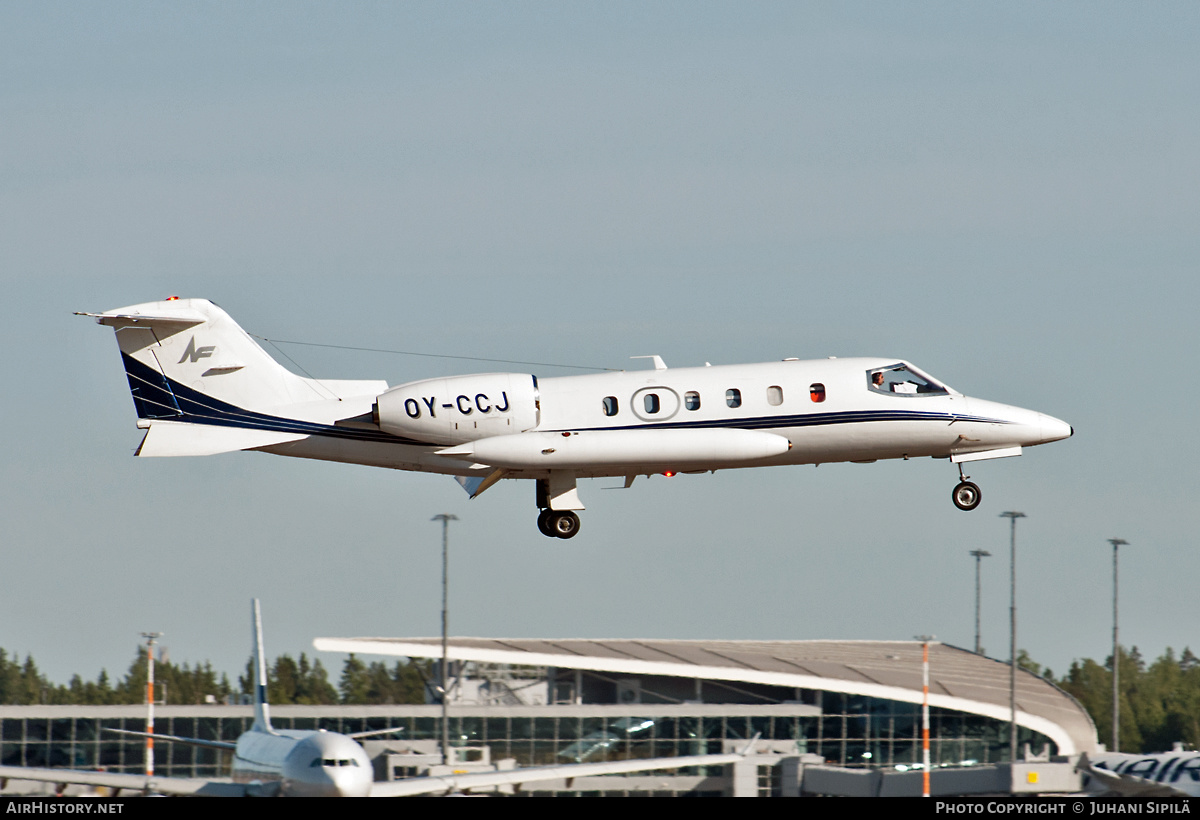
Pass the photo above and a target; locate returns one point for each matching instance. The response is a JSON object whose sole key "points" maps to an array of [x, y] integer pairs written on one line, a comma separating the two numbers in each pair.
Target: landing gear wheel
{"points": [[544, 523], [564, 524], [967, 495]]}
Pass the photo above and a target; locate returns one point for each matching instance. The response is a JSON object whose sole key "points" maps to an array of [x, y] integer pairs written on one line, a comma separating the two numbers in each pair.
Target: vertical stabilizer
{"points": [[262, 710]]}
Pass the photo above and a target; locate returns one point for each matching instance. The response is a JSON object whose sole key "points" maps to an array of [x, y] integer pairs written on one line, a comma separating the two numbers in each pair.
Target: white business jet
{"points": [[270, 762], [202, 385]]}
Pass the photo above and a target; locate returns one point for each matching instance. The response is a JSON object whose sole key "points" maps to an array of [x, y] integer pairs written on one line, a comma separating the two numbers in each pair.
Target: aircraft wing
{"points": [[191, 741], [126, 782], [538, 774], [1127, 785]]}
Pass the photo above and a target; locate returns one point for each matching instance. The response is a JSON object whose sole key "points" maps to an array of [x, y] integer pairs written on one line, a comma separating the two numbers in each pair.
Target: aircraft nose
{"points": [[1054, 429]]}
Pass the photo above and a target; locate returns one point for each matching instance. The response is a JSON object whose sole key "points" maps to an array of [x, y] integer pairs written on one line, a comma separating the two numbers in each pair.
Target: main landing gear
{"points": [[967, 494], [558, 523]]}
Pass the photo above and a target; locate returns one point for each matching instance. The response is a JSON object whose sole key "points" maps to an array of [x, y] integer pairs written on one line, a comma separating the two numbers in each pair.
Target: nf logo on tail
{"points": [[194, 354]]}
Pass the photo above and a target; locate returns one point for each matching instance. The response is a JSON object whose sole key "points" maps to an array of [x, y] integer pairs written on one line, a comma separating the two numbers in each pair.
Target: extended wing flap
{"points": [[172, 438]]}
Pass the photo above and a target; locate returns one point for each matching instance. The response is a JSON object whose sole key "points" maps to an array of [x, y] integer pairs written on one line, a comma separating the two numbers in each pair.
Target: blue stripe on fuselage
{"points": [[161, 399]]}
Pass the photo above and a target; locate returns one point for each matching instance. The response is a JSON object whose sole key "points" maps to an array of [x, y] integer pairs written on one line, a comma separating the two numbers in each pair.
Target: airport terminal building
{"points": [[853, 704]]}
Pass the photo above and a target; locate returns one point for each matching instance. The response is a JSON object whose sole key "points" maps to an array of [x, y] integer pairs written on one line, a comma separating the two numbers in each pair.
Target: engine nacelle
{"points": [[460, 408]]}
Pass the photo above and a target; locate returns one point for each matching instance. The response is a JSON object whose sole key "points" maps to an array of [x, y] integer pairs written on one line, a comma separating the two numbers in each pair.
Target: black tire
{"points": [[565, 524], [967, 495], [544, 524]]}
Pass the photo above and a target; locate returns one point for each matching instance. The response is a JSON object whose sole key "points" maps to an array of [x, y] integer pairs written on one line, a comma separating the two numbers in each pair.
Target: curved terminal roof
{"points": [[958, 679]]}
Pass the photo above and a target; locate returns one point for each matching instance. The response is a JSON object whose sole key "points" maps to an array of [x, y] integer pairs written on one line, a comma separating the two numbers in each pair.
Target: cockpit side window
{"points": [[902, 380]]}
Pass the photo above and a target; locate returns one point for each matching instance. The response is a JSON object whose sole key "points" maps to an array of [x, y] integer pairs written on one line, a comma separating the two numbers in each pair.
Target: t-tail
{"points": [[262, 709], [202, 385]]}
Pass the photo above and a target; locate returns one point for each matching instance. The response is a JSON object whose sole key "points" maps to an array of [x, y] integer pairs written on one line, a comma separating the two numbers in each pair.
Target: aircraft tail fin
{"points": [[262, 709], [207, 385]]}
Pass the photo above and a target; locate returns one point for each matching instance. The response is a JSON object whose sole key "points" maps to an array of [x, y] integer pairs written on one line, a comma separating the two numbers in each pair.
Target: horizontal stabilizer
{"points": [[172, 438], [115, 318]]}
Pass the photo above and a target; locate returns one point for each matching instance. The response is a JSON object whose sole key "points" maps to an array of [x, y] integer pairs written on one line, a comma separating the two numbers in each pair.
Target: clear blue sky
{"points": [[1005, 194]]}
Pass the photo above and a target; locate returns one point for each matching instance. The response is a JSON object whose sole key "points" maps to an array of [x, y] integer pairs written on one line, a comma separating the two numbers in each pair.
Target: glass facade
{"points": [[850, 730]]}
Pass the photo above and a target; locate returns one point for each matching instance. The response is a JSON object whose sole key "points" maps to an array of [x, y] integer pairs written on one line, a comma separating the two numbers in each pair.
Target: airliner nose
{"points": [[1054, 429]]}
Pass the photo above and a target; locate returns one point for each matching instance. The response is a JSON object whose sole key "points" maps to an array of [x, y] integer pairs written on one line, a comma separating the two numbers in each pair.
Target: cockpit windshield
{"points": [[903, 380]]}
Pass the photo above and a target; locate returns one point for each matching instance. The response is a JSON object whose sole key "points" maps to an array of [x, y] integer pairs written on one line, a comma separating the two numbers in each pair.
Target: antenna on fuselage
{"points": [[659, 364], [262, 711]]}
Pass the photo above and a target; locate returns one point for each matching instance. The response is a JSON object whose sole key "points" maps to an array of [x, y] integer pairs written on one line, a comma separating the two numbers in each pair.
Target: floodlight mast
{"points": [[445, 518], [1012, 626], [1116, 661], [979, 555]]}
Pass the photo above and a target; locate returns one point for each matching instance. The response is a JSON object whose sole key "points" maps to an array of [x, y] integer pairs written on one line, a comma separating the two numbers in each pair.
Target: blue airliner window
{"points": [[733, 397]]}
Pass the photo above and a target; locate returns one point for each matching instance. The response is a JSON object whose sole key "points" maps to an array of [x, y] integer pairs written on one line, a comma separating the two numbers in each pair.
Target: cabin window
{"points": [[902, 380], [774, 395], [733, 397], [610, 405], [816, 392], [691, 400], [651, 402]]}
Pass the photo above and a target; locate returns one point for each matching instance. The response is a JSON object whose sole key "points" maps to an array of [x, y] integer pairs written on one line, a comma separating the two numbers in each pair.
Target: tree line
{"points": [[289, 681]]}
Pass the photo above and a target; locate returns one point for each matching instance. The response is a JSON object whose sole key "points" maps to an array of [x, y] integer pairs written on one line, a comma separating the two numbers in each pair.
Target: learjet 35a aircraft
{"points": [[202, 385]]}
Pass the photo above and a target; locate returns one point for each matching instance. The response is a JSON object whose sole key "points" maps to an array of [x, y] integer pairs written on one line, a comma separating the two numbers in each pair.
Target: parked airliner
{"points": [[270, 762], [202, 385], [267, 762]]}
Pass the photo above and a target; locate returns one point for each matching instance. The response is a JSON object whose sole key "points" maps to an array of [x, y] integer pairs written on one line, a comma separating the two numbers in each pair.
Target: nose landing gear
{"points": [[967, 494]]}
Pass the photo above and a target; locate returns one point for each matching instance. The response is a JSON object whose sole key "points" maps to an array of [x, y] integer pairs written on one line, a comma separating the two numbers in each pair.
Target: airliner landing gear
{"points": [[558, 524], [966, 495]]}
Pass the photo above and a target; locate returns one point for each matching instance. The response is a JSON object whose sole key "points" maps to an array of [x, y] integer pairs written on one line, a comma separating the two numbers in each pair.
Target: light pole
{"points": [[925, 639], [1116, 662], [979, 555], [1012, 627], [150, 637], [445, 518]]}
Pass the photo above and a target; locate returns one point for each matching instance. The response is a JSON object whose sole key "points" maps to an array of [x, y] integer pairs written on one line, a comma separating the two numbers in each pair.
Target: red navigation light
{"points": [[172, 298], [669, 473]]}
